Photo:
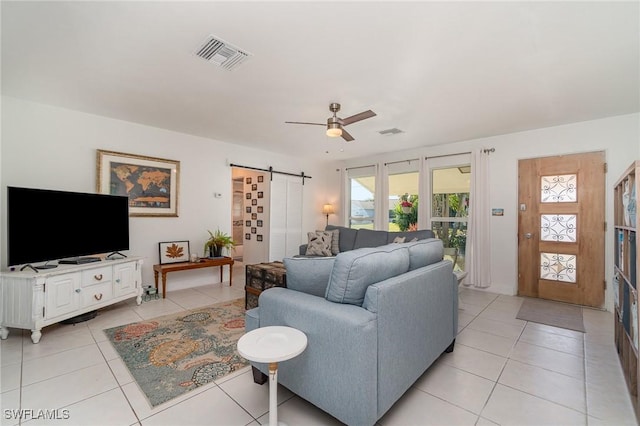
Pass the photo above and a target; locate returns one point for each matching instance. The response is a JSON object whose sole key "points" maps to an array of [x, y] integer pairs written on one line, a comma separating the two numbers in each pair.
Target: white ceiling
{"points": [[440, 71]]}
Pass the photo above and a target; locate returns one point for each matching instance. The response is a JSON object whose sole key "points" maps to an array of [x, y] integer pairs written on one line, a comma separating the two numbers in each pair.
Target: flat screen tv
{"points": [[46, 225]]}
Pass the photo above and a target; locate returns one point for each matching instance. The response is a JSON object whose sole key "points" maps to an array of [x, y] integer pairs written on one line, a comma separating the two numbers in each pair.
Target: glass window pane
{"points": [[453, 235], [558, 267], [362, 202], [403, 201], [450, 209], [561, 228], [559, 189]]}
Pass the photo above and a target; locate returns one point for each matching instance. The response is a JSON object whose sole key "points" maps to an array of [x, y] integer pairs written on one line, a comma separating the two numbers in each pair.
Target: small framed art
{"points": [[173, 251]]}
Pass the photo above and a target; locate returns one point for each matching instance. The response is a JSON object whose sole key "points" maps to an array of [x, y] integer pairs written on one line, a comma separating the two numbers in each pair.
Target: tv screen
{"points": [[46, 225]]}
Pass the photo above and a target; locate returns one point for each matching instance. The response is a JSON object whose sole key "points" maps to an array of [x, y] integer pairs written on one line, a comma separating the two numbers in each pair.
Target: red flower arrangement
{"points": [[406, 203]]}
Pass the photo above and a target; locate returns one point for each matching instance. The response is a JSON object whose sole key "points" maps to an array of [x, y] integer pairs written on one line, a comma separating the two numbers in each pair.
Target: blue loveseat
{"points": [[375, 319], [351, 239]]}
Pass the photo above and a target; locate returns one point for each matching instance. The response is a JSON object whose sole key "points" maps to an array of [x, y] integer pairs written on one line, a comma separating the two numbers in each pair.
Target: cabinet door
{"points": [[60, 294], [126, 278]]}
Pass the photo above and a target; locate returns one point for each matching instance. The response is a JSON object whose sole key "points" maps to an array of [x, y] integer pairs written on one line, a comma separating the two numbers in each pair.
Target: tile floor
{"points": [[503, 371]]}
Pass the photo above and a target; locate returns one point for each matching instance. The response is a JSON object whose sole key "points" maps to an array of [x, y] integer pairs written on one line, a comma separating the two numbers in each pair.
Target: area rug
{"points": [[174, 354], [552, 313]]}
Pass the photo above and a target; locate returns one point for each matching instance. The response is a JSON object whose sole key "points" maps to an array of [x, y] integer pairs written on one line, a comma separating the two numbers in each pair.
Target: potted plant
{"points": [[406, 206], [217, 241]]}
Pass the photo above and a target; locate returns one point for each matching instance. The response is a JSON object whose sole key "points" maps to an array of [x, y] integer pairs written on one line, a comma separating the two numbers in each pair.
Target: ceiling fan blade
{"points": [[302, 122], [358, 117], [346, 136]]}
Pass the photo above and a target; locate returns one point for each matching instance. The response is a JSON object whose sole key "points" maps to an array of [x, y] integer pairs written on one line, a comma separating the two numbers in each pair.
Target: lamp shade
{"points": [[328, 209]]}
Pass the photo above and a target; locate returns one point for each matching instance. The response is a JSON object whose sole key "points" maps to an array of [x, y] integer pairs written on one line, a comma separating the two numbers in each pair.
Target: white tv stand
{"points": [[33, 300]]}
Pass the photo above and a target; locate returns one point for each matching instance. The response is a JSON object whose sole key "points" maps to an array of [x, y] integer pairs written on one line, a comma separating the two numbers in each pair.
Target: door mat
{"points": [[552, 313], [174, 354]]}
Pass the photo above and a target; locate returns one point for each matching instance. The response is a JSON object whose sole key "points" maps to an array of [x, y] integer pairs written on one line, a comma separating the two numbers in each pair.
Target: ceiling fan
{"points": [[335, 125]]}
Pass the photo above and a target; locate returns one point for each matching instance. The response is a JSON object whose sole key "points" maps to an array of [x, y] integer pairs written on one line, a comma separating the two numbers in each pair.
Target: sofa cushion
{"points": [[424, 252], [369, 238], [353, 271], [347, 237], [319, 243], [309, 275], [422, 234]]}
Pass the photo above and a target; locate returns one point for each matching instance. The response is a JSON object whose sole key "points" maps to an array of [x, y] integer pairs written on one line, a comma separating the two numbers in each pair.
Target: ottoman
{"points": [[260, 277]]}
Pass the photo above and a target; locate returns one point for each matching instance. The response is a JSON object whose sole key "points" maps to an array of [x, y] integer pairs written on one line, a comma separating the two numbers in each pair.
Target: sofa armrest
{"points": [[422, 302], [337, 370]]}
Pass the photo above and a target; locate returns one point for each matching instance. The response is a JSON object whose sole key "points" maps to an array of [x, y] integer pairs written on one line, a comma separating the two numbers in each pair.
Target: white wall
{"points": [[54, 148], [618, 136]]}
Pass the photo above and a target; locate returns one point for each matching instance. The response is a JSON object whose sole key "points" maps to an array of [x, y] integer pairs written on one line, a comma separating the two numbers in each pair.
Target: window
{"points": [[450, 189], [362, 189], [403, 179]]}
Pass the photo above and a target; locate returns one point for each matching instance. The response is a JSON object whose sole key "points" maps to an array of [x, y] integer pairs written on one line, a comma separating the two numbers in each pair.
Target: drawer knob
{"points": [[98, 296], [98, 277], [78, 290]]}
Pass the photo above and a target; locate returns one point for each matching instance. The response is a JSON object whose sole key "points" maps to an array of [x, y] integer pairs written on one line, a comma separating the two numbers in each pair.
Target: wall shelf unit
{"points": [[625, 284]]}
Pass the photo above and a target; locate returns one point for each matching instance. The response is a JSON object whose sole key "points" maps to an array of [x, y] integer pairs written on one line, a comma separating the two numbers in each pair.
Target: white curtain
{"points": [[478, 248]]}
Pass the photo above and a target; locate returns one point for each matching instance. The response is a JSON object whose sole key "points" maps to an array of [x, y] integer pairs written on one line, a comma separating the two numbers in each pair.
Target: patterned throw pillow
{"points": [[399, 240], [319, 243], [335, 241]]}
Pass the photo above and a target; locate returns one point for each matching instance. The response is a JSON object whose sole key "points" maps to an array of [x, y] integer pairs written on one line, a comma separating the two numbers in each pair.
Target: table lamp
{"points": [[327, 209]]}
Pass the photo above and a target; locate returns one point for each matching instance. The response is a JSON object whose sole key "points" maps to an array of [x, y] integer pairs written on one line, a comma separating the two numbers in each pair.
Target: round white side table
{"points": [[272, 345]]}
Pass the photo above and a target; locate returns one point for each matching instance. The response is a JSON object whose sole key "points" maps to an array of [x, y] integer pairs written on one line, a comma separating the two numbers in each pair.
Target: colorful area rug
{"points": [[174, 354], [552, 313]]}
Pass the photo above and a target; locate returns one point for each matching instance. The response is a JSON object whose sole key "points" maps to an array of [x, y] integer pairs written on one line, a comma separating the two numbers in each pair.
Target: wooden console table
{"points": [[184, 266]]}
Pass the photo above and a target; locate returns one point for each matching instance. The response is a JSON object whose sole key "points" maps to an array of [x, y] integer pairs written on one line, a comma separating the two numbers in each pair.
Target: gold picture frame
{"points": [[152, 184]]}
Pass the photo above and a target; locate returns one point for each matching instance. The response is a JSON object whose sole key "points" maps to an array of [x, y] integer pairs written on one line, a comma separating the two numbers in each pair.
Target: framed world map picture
{"points": [[150, 183]]}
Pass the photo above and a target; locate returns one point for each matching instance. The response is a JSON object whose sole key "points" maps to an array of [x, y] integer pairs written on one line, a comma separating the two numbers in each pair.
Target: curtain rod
{"points": [[486, 151], [447, 155], [360, 167], [270, 170], [402, 161]]}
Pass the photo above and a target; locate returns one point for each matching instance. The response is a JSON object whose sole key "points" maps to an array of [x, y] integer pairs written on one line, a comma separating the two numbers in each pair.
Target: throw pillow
{"points": [[319, 243], [309, 275], [335, 240], [399, 240]]}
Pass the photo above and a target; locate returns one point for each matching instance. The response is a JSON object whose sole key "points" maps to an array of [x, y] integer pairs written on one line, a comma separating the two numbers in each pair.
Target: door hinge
{"points": [[44, 287], [43, 312], [605, 284], [605, 226], [606, 169]]}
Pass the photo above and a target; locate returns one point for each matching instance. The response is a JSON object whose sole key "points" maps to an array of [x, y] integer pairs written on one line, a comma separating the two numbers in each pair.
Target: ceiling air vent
{"points": [[393, 131], [221, 53]]}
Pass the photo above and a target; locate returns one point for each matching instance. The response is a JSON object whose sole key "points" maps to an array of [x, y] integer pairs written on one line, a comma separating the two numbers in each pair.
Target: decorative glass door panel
{"points": [[558, 267], [558, 227], [559, 189]]}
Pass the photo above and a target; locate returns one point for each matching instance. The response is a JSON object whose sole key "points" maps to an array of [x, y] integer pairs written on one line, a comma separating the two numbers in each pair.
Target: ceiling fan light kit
{"points": [[335, 124], [334, 130]]}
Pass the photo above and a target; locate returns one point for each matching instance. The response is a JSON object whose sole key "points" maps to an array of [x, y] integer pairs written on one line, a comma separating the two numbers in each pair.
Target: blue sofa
{"points": [[351, 239], [375, 319]]}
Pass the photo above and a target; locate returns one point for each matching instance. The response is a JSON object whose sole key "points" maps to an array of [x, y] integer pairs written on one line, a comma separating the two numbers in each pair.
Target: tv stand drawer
{"points": [[97, 276]]}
